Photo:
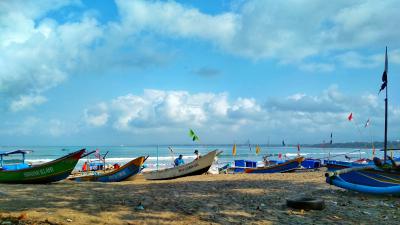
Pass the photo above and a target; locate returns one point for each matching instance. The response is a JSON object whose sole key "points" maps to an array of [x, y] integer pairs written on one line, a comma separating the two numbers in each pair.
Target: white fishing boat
{"points": [[196, 167]]}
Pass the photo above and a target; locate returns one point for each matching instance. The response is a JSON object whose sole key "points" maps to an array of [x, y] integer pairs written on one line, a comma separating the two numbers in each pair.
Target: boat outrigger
{"points": [[197, 167], [21, 173]]}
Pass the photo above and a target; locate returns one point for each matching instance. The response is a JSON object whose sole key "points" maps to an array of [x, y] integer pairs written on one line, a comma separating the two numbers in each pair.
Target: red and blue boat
{"points": [[125, 172]]}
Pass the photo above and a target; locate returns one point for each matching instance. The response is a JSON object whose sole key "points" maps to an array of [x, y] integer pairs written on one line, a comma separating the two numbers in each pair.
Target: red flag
{"points": [[350, 117]]}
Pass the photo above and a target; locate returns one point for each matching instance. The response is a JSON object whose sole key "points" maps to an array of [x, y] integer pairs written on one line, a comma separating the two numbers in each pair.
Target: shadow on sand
{"points": [[224, 201]]}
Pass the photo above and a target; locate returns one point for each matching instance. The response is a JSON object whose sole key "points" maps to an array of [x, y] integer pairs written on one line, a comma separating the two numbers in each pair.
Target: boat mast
{"points": [[386, 107]]}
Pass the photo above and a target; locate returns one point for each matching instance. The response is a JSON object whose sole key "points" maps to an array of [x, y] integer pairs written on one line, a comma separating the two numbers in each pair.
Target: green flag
{"points": [[193, 135]]}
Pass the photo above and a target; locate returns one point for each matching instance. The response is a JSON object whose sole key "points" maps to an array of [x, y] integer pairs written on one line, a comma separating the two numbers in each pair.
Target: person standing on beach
{"points": [[197, 154]]}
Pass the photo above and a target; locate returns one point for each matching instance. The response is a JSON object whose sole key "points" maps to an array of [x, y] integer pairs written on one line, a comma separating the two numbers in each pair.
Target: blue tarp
{"points": [[15, 166], [242, 164]]}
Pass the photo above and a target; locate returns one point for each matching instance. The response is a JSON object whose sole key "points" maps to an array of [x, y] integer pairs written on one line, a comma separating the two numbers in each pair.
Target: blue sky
{"points": [[144, 72]]}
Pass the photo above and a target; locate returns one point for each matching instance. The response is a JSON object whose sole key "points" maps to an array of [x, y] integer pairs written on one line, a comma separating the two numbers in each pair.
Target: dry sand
{"points": [[204, 199]]}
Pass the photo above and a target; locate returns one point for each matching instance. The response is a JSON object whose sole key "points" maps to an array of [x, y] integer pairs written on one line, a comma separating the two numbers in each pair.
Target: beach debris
{"points": [[259, 207], [306, 203], [139, 206], [385, 217], [22, 216], [334, 217], [299, 213], [69, 220], [333, 202]]}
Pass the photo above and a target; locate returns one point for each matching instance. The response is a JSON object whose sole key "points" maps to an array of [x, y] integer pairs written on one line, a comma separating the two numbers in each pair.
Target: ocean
{"points": [[161, 157]]}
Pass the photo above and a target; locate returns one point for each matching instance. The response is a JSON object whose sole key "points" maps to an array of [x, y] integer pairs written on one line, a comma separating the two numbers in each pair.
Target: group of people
{"points": [[98, 166], [179, 161]]}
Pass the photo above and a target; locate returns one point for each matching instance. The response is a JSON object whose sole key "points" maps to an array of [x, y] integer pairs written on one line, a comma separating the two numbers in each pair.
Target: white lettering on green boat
{"points": [[39, 172]]}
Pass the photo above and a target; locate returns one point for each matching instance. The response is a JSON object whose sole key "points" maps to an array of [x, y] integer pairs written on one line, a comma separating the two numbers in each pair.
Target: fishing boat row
{"points": [[60, 169]]}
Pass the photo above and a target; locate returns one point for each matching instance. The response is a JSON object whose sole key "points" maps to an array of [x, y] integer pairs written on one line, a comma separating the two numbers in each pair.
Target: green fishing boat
{"points": [[19, 172]]}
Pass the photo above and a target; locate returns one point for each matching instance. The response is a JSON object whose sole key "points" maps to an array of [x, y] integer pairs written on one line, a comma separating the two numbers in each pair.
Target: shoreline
{"points": [[203, 199]]}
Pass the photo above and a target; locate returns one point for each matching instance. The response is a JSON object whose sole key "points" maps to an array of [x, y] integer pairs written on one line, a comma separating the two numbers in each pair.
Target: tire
{"points": [[306, 203]]}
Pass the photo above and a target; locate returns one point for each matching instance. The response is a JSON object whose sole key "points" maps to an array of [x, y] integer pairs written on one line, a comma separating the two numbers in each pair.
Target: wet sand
{"points": [[204, 199]]}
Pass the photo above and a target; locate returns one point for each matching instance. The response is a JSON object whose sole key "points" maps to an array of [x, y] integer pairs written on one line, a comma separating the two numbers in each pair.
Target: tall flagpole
{"points": [[386, 107]]}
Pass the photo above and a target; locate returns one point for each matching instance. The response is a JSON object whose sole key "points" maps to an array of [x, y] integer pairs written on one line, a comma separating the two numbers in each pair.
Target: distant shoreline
{"points": [[364, 145]]}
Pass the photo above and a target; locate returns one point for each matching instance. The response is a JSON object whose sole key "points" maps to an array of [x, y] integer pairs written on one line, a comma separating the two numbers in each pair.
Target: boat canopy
{"points": [[6, 153]]}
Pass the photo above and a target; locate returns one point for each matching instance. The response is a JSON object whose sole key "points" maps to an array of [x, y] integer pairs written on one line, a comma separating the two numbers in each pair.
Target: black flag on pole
{"points": [[384, 75]]}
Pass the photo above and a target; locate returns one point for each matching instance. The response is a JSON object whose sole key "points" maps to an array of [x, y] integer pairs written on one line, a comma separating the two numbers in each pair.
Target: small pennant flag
{"points": [[193, 135], [384, 75], [234, 149], [350, 117], [258, 149], [283, 142], [367, 123]]}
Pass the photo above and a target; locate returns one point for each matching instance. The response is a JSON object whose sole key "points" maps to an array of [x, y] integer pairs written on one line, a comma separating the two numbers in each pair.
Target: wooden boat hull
{"points": [[197, 167], [126, 171], [287, 166], [371, 181], [53, 171]]}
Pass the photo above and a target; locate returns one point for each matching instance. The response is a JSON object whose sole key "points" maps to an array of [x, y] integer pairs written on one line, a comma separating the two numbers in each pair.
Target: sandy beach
{"points": [[204, 199]]}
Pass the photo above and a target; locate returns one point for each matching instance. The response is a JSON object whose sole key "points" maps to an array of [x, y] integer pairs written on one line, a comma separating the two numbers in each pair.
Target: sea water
{"points": [[162, 157]]}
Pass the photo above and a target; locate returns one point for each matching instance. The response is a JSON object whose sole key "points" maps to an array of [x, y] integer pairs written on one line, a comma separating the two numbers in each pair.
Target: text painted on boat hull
{"points": [[39, 172]]}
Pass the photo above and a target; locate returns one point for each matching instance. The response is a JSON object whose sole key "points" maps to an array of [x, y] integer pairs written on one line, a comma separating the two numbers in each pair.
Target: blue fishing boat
{"points": [[380, 178], [288, 166], [123, 173], [366, 179]]}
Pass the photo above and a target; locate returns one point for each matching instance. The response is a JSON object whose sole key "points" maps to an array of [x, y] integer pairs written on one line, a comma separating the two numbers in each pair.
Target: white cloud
{"points": [[317, 67], [23, 127], [173, 19], [38, 53], [96, 116], [36, 126], [26, 102], [171, 109], [311, 116], [57, 128], [290, 31]]}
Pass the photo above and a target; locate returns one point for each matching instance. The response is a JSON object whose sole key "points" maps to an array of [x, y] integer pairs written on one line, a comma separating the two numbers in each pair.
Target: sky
{"points": [[145, 72]]}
